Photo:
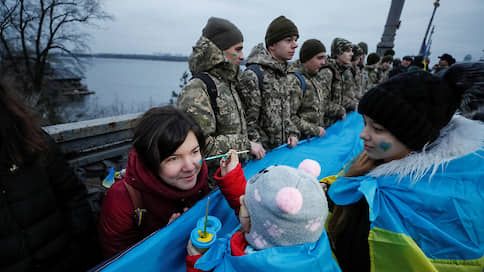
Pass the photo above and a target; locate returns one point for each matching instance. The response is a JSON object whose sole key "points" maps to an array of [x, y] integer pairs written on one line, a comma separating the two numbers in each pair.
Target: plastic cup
{"points": [[197, 242], [213, 223]]}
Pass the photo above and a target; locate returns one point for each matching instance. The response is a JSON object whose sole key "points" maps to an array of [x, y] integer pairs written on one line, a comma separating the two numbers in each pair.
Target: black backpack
{"points": [[211, 88], [260, 77]]}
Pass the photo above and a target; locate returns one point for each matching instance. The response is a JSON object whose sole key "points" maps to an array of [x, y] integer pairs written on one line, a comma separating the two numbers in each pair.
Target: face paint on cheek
{"points": [[385, 146]]}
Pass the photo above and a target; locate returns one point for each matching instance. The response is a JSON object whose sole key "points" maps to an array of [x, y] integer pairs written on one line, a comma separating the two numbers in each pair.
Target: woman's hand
{"points": [[229, 163], [175, 216], [361, 166]]}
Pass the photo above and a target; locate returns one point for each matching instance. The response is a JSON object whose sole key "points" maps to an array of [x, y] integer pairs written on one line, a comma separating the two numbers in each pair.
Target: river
{"points": [[123, 86]]}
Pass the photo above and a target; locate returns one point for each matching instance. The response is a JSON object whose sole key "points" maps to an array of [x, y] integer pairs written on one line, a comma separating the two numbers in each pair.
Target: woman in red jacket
{"points": [[163, 179]]}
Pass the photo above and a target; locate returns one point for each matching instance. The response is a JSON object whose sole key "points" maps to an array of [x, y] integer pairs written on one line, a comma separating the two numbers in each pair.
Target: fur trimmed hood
{"points": [[459, 138]]}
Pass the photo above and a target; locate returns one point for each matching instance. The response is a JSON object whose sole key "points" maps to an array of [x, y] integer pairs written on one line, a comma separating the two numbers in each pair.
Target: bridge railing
{"points": [[91, 141]]}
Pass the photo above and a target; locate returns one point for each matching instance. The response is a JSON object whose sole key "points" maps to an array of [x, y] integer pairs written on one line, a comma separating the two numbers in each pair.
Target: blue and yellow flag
{"points": [[434, 224]]}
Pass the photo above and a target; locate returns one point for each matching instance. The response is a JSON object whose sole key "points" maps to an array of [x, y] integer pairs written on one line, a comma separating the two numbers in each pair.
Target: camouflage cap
{"points": [[364, 47], [372, 59], [309, 49], [387, 58], [280, 28], [357, 52], [222, 33], [339, 46]]}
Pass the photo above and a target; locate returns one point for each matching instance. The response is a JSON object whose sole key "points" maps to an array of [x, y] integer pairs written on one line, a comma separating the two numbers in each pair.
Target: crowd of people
{"points": [[412, 138]]}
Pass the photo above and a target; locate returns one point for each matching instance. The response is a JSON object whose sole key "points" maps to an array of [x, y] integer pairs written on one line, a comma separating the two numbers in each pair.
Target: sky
{"points": [[160, 26]]}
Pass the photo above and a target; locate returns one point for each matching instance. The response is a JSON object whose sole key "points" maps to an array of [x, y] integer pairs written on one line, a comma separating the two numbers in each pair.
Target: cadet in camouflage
{"points": [[268, 108], [357, 73], [308, 107], [372, 70], [386, 61], [342, 86], [218, 53]]}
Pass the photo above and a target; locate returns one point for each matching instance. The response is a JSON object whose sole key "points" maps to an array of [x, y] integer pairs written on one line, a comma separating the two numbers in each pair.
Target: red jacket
{"points": [[232, 187], [117, 227]]}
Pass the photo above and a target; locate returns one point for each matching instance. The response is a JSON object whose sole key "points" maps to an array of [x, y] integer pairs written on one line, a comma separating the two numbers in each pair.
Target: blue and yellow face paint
{"points": [[385, 146]]}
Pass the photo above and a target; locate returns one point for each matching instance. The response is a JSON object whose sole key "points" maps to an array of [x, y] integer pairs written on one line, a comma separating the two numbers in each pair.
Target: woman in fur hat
{"points": [[412, 200]]}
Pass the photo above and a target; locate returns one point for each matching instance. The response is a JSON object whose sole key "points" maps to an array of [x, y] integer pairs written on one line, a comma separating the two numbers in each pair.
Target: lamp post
{"points": [[422, 48]]}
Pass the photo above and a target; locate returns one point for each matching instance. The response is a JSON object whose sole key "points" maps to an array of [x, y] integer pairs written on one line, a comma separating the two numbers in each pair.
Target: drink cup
{"points": [[213, 223], [200, 243]]}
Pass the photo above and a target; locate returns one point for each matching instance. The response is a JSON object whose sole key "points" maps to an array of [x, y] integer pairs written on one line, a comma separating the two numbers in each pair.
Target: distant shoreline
{"points": [[135, 56]]}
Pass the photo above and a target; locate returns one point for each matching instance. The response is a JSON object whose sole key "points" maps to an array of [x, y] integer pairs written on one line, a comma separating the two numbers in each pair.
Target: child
{"points": [[279, 207]]}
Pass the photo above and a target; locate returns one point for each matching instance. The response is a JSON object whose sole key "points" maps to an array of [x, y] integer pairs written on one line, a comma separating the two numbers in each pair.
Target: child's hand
{"points": [[361, 166], [229, 163], [244, 216], [191, 249]]}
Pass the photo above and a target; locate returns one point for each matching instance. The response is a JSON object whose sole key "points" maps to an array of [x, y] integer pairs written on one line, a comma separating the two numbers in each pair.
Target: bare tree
{"points": [[33, 33]]}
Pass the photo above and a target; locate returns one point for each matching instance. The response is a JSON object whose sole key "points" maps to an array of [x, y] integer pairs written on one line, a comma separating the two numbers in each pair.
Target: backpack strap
{"points": [[258, 72], [303, 82], [137, 201], [211, 88]]}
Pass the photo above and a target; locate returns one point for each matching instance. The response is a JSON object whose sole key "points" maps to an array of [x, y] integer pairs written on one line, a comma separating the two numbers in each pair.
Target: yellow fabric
{"points": [[390, 251], [329, 179]]}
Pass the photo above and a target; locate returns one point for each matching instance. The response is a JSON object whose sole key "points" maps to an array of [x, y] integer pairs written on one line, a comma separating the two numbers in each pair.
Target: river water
{"points": [[123, 86]]}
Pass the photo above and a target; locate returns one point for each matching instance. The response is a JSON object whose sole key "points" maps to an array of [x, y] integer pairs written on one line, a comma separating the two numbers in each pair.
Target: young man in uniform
{"points": [[263, 87]]}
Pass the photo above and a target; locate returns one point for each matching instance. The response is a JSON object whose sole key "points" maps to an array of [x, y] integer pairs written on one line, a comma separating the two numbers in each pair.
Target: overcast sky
{"points": [[154, 26]]}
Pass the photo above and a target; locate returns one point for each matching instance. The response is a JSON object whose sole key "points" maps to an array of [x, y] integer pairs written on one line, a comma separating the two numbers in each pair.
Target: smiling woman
{"points": [[163, 179]]}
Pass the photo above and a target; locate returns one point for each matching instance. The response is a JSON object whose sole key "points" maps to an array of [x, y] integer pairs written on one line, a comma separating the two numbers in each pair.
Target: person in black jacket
{"points": [[46, 222]]}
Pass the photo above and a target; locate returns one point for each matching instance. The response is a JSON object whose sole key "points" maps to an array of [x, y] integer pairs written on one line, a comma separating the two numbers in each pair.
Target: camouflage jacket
{"points": [[364, 80], [385, 74], [308, 110], [268, 110], [227, 129], [359, 81], [374, 75], [342, 87]]}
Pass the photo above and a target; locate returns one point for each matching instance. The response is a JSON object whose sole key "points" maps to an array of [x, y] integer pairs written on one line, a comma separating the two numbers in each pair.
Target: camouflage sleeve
{"points": [[349, 91], [290, 127], [248, 89], [296, 95], [333, 111], [373, 79], [195, 101]]}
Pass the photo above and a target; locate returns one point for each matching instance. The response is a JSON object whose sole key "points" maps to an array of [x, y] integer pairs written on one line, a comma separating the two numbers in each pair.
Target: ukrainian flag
{"points": [[435, 224]]}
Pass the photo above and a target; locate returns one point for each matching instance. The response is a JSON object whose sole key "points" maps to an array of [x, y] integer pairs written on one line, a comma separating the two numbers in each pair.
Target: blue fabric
{"points": [[316, 256], [340, 144], [165, 250], [444, 215]]}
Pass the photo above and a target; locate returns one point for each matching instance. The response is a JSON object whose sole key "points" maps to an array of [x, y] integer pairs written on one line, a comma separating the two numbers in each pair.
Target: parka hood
{"points": [[207, 57]]}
